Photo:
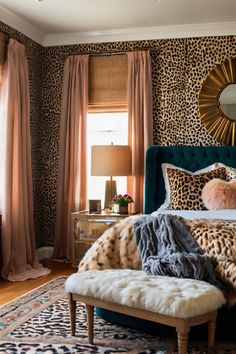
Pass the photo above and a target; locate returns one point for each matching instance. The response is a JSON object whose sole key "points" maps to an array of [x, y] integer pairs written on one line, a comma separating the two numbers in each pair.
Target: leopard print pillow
{"points": [[230, 173], [186, 188]]}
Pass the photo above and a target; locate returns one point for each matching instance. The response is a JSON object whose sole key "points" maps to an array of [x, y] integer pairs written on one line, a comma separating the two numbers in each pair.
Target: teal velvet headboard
{"points": [[191, 158]]}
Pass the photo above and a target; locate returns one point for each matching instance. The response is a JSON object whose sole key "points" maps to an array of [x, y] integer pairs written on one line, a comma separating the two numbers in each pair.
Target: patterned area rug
{"points": [[38, 322]]}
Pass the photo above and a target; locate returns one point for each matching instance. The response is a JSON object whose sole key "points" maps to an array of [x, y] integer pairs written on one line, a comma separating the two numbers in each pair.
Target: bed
{"points": [[191, 159]]}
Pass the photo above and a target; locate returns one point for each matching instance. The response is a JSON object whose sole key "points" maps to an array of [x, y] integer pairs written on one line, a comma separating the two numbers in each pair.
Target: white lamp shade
{"points": [[110, 160]]}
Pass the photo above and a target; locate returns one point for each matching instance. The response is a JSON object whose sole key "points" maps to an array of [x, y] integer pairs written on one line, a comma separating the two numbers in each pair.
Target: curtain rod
{"points": [[110, 53]]}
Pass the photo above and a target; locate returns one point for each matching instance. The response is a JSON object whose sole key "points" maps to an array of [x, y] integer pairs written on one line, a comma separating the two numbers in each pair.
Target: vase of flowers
{"points": [[121, 203]]}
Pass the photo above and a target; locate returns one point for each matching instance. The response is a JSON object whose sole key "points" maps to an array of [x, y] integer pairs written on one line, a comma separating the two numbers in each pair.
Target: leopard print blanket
{"points": [[116, 248]]}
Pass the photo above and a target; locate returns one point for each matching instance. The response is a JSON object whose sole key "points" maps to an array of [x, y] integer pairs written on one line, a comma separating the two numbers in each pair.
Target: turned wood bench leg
{"points": [[90, 314], [182, 335], [72, 308], [182, 325], [211, 335]]}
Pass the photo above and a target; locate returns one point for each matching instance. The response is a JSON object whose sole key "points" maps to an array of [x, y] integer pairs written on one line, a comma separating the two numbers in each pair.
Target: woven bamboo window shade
{"points": [[3, 51], [108, 83]]}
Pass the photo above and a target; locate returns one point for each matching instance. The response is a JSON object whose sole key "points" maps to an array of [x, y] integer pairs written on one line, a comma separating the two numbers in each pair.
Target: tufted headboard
{"points": [[191, 158]]}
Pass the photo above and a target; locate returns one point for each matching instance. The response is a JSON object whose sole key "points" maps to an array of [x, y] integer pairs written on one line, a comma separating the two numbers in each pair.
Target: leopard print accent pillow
{"points": [[186, 188], [230, 173]]}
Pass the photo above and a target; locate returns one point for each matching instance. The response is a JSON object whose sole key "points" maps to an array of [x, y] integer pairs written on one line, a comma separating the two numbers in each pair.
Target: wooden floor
{"points": [[11, 290]]}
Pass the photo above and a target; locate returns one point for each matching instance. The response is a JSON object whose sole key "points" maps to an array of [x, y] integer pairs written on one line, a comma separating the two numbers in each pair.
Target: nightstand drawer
{"points": [[92, 229]]}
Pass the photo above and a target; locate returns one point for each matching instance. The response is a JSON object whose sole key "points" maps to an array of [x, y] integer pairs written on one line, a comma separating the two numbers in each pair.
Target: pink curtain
{"points": [[18, 242], [71, 190], [140, 120]]}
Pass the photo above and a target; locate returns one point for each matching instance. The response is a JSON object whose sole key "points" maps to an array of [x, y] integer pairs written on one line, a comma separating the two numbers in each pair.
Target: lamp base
{"points": [[110, 191]]}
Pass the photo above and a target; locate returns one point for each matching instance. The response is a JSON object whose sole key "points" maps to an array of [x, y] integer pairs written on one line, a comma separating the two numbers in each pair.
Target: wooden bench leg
{"points": [[182, 333], [90, 314], [211, 335], [72, 308]]}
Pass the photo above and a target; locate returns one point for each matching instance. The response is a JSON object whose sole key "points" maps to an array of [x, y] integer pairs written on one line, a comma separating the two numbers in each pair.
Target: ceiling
{"points": [[57, 22]]}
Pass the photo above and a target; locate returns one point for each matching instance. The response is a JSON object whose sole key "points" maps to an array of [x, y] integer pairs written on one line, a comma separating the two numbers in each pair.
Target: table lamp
{"points": [[110, 160]]}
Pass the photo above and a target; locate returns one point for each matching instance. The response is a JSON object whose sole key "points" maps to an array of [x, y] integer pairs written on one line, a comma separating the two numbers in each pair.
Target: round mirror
{"points": [[228, 101], [215, 97]]}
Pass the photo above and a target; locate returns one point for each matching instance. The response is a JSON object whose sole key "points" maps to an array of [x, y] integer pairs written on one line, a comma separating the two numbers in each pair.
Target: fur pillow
{"points": [[218, 194]]}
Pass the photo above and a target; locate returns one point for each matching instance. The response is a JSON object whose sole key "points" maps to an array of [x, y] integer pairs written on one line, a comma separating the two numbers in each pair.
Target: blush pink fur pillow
{"points": [[219, 194]]}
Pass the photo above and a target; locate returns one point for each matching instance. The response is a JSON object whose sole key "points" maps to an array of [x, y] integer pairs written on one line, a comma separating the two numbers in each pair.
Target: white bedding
{"points": [[226, 214]]}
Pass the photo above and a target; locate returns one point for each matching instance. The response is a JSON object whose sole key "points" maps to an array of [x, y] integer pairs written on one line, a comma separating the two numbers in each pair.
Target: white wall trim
{"points": [[125, 34], [44, 252], [145, 33], [21, 25]]}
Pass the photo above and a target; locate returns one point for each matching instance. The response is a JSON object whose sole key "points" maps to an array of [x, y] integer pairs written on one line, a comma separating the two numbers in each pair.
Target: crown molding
{"points": [[143, 33], [117, 35], [18, 23]]}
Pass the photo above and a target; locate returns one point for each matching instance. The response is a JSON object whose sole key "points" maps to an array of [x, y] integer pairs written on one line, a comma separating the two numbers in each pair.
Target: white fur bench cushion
{"points": [[168, 296]]}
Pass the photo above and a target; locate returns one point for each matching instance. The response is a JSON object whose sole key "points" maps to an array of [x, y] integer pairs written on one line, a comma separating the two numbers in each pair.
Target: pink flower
{"points": [[122, 199]]}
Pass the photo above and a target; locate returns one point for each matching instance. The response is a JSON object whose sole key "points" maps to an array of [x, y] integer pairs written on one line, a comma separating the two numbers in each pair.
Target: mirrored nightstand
{"points": [[86, 228]]}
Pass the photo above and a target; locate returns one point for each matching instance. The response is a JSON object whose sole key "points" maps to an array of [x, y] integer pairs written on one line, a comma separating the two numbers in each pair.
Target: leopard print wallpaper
{"points": [[179, 66]]}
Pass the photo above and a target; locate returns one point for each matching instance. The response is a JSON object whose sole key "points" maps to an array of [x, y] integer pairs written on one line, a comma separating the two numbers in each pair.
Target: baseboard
{"points": [[44, 252]]}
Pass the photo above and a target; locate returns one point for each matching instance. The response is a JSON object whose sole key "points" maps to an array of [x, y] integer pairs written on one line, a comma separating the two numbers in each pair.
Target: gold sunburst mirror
{"points": [[217, 102]]}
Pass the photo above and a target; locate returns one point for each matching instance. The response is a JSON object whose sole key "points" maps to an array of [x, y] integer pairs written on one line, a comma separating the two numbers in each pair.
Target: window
{"points": [[102, 129], [107, 121]]}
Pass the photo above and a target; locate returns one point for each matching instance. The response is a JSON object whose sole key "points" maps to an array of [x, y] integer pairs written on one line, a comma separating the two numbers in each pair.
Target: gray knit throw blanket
{"points": [[167, 247]]}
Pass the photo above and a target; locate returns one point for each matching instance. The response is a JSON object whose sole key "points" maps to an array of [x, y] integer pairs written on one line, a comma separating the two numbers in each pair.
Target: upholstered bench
{"points": [[176, 302]]}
